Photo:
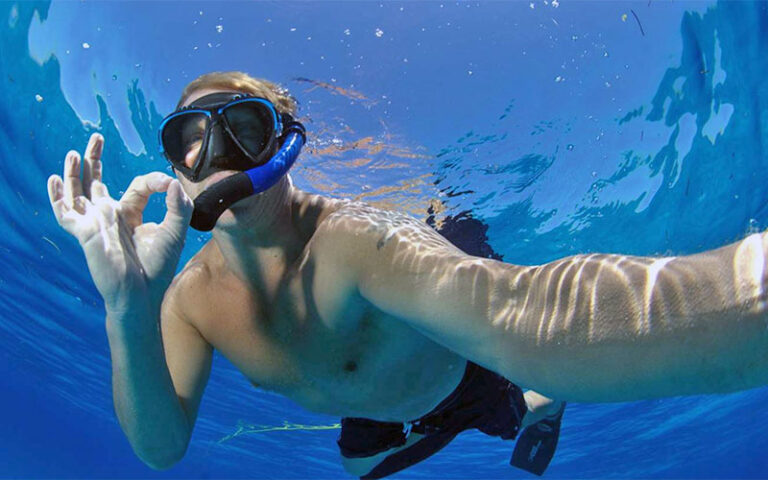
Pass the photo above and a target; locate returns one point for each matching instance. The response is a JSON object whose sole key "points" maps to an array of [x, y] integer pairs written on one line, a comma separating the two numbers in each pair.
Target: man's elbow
{"points": [[160, 465], [161, 460]]}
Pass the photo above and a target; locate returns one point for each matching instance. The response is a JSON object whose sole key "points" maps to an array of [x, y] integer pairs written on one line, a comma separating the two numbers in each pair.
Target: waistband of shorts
{"points": [[469, 373]]}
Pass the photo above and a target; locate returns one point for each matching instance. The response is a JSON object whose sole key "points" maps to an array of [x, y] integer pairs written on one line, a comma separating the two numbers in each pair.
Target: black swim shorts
{"points": [[483, 400]]}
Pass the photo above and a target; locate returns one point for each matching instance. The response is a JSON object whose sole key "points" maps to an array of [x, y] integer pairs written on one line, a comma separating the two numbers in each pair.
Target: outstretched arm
{"points": [[589, 328]]}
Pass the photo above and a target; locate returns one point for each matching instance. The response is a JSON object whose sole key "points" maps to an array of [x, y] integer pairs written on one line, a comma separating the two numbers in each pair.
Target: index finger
{"points": [[135, 199]]}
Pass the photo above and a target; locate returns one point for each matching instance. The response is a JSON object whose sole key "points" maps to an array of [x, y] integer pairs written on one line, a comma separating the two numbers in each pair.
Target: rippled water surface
{"points": [[548, 128]]}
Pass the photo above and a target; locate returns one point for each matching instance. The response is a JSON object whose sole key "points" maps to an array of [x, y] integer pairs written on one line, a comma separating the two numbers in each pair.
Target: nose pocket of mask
{"points": [[222, 152]]}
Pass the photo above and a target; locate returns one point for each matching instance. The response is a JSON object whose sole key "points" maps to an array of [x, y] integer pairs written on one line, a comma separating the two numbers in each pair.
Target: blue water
{"points": [[634, 127]]}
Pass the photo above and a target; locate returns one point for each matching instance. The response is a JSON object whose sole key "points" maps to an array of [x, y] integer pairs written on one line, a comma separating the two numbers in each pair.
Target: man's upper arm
{"points": [[407, 269], [187, 354]]}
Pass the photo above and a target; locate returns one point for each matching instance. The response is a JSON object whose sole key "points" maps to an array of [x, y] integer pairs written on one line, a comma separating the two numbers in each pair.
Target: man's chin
{"points": [[235, 214], [242, 213], [227, 219]]}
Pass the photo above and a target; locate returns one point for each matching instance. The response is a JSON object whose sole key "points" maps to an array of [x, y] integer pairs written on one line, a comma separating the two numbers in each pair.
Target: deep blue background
{"points": [[634, 127]]}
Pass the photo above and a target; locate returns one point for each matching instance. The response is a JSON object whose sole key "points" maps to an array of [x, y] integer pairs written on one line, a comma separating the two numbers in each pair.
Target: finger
{"points": [[56, 197], [142, 187], [96, 168], [67, 218], [73, 219], [106, 206], [55, 188], [136, 197], [143, 231], [80, 205], [179, 209], [90, 159], [103, 201], [72, 186], [98, 190]]}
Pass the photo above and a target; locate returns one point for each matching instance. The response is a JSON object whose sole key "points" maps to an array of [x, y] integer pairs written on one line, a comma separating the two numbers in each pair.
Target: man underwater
{"points": [[371, 315]]}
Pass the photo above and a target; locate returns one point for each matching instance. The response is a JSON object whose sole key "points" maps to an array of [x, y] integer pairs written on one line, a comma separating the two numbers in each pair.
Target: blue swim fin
{"points": [[537, 444]]}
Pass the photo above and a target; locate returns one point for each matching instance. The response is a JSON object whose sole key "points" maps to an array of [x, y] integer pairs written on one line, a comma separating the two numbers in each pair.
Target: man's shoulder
{"points": [[360, 221], [354, 215], [349, 219]]}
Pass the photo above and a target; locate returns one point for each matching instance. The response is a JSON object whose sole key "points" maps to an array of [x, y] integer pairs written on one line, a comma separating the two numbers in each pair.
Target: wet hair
{"points": [[242, 82]]}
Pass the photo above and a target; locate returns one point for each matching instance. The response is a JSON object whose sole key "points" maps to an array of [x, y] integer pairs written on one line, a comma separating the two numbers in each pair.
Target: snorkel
{"points": [[211, 203]]}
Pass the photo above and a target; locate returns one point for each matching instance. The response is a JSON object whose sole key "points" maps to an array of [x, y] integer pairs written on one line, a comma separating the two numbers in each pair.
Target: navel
{"points": [[350, 366]]}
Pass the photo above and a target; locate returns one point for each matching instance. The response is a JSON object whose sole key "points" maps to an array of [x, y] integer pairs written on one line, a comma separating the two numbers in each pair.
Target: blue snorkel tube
{"points": [[210, 204]]}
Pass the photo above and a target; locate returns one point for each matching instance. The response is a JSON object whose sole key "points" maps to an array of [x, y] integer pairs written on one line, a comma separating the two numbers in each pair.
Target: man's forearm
{"points": [[146, 403], [585, 328], [613, 327]]}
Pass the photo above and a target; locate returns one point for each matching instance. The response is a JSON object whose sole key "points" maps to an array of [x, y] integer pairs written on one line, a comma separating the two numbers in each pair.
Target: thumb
{"points": [[179, 209]]}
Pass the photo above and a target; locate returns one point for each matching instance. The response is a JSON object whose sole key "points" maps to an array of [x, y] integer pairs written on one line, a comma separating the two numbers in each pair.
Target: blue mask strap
{"points": [[210, 204]]}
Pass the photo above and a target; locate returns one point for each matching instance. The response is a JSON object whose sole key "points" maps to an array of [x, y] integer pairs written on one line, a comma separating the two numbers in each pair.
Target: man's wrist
{"points": [[132, 319]]}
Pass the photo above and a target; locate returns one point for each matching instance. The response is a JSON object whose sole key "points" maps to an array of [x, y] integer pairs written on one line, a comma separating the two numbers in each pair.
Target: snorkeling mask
{"points": [[230, 131]]}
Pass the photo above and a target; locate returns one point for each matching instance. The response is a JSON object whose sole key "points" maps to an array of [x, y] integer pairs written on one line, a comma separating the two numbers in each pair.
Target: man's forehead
{"points": [[209, 96]]}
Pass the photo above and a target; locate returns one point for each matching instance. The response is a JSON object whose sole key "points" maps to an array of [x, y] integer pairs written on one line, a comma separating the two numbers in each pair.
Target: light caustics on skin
{"points": [[646, 294], [749, 271], [692, 316]]}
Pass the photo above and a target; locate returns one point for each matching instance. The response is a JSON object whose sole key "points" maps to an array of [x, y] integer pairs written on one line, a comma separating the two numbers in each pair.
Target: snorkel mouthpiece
{"points": [[210, 204]]}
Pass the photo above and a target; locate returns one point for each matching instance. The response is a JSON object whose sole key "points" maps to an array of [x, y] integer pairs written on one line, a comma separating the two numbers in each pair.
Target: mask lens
{"points": [[183, 138], [251, 124]]}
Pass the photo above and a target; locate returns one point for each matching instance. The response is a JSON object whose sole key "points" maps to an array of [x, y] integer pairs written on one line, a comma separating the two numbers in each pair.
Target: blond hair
{"points": [[242, 82]]}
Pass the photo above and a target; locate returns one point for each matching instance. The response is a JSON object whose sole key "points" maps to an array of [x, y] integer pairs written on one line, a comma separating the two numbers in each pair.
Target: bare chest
{"points": [[328, 350]]}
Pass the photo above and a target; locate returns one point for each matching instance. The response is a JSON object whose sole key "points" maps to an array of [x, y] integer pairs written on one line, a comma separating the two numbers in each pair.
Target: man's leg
{"points": [[539, 408], [417, 449], [363, 465], [537, 442]]}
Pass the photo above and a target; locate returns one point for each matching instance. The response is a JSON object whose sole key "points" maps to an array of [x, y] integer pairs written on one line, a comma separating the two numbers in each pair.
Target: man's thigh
{"points": [[362, 465]]}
